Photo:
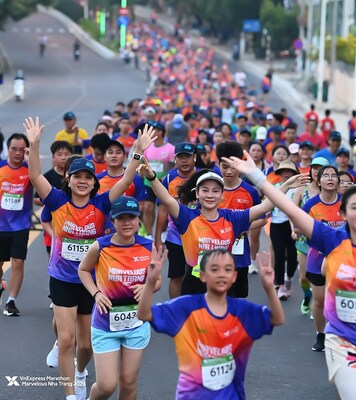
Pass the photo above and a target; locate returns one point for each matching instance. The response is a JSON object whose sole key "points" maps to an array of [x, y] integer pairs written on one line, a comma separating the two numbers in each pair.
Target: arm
{"points": [[144, 140], [34, 132], [160, 191], [84, 272], [153, 276], [47, 227], [304, 221], [267, 280], [161, 224], [258, 223], [267, 205], [138, 288]]}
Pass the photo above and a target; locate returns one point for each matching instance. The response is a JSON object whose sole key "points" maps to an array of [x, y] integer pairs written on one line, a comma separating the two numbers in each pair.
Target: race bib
{"points": [[74, 249], [238, 246], [12, 202], [218, 373], [346, 306], [124, 317], [157, 166]]}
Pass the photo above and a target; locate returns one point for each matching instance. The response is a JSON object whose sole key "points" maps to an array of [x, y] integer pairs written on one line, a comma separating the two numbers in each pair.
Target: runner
{"points": [[213, 358], [301, 196], [78, 219], [72, 133], [15, 217], [325, 208], [339, 248], [345, 182], [121, 261]]}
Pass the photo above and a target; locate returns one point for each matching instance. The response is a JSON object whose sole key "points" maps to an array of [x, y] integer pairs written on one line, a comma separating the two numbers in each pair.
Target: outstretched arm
{"points": [[267, 278], [267, 205], [34, 132], [302, 220], [145, 139], [160, 191], [153, 276]]}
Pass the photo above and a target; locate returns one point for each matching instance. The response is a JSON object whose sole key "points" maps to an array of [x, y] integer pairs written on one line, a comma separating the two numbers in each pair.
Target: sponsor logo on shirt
{"points": [[206, 351], [346, 273]]}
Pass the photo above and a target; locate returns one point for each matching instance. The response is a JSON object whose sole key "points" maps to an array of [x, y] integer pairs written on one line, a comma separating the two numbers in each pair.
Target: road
{"points": [[281, 366]]}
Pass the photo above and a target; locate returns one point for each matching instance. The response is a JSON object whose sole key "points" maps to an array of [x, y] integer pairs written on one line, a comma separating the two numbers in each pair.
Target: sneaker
{"points": [[75, 364], [2, 289], [253, 269], [149, 236], [51, 305], [319, 343], [282, 293], [52, 357], [287, 286], [80, 385], [11, 310], [305, 306]]}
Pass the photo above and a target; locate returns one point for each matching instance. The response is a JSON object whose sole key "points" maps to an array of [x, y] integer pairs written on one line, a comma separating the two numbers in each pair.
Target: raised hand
{"points": [[296, 181], [145, 169], [154, 269], [265, 269], [33, 129], [245, 166], [145, 138]]}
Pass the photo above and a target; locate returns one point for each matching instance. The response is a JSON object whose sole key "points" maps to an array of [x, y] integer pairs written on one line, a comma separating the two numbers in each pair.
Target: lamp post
{"points": [[321, 51]]}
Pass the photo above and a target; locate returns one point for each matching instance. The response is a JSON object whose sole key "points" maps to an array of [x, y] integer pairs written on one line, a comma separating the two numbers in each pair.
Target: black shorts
{"points": [[239, 288], [68, 294], [316, 279], [14, 245], [150, 196], [191, 284], [176, 260]]}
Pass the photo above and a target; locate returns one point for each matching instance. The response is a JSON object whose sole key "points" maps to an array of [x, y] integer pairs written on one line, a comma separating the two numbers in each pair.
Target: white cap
{"points": [[149, 110], [250, 104], [261, 133], [269, 116], [210, 176], [293, 148]]}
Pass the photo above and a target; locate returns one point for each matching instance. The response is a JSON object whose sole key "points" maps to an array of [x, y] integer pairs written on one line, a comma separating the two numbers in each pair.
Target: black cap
{"points": [[184, 147], [124, 205], [68, 116], [81, 164]]}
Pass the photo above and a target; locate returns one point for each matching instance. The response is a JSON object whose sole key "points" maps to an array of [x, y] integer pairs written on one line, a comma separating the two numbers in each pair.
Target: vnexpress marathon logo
{"points": [[37, 381]]}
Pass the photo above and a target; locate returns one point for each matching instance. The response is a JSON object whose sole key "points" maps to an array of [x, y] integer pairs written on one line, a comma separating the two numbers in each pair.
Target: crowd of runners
{"points": [[193, 173]]}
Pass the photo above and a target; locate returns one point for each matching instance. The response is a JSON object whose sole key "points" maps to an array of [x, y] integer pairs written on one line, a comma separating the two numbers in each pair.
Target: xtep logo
{"points": [[12, 381]]}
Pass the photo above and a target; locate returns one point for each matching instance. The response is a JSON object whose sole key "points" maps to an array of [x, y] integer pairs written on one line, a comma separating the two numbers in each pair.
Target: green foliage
{"points": [[18, 9], [71, 9], [91, 27], [280, 23], [345, 49]]}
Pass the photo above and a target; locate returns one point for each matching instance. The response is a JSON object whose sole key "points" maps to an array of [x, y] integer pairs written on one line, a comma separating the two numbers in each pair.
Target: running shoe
{"points": [[11, 310], [319, 344], [52, 357], [80, 385], [287, 286], [2, 289], [282, 293], [305, 307], [75, 364], [253, 269]]}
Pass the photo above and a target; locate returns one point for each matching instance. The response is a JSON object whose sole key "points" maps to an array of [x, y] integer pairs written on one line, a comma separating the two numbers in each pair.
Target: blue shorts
{"points": [[107, 341]]}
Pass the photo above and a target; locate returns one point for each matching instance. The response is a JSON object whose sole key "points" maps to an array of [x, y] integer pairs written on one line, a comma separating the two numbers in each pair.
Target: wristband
{"points": [[152, 178], [137, 156], [94, 295], [257, 177]]}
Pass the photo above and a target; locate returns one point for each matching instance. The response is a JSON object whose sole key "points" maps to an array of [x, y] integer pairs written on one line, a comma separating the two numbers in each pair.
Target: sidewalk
{"points": [[287, 85]]}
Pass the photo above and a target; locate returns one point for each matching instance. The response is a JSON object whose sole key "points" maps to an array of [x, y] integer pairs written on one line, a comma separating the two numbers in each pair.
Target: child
{"points": [[120, 261], [213, 333]]}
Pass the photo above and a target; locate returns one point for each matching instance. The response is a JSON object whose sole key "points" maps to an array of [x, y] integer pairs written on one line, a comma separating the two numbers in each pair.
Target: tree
{"points": [[18, 9], [281, 24]]}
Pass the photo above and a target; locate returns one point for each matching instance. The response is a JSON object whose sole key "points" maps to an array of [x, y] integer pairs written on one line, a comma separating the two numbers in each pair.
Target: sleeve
{"points": [[140, 190], [255, 197], [307, 206], [169, 317], [103, 203], [184, 218], [46, 215], [320, 232], [256, 319], [86, 143], [55, 199], [240, 220]]}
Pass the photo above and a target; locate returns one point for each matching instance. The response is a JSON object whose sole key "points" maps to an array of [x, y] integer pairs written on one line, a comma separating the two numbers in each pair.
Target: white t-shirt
{"points": [[278, 216]]}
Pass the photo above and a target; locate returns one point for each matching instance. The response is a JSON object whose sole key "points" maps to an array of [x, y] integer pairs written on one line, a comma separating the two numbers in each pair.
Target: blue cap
{"points": [[68, 116], [184, 147], [200, 148], [124, 205], [125, 116], [306, 143], [319, 161], [245, 130], [335, 135], [81, 164], [241, 115], [343, 150]]}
